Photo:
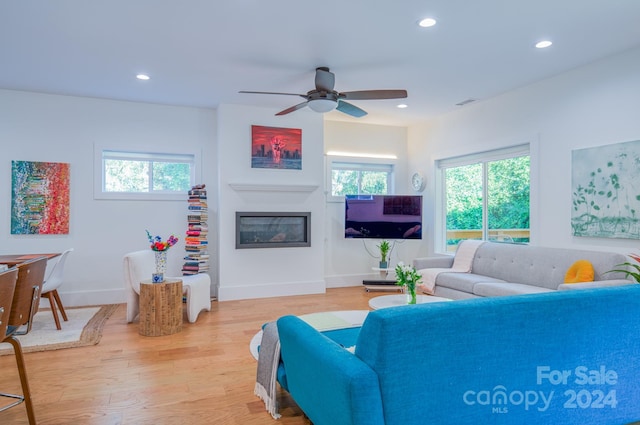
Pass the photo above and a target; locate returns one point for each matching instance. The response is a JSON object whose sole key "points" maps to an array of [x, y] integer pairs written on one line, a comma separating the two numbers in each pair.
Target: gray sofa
{"points": [[513, 269]]}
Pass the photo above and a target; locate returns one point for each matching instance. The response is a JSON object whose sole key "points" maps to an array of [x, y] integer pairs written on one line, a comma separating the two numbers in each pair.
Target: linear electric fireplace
{"points": [[273, 229]]}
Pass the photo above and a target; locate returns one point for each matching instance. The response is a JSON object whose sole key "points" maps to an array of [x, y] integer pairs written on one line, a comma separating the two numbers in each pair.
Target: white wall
{"points": [[50, 128], [268, 272], [349, 261], [43, 127], [590, 106]]}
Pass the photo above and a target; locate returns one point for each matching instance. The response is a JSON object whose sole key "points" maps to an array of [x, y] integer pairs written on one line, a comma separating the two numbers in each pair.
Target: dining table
{"points": [[11, 260]]}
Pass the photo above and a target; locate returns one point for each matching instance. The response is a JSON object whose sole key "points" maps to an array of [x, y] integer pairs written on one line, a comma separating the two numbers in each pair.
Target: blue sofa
{"points": [[563, 357]]}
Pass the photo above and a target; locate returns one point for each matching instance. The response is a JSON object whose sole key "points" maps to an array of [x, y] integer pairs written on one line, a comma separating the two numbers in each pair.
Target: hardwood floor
{"points": [[202, 375]]}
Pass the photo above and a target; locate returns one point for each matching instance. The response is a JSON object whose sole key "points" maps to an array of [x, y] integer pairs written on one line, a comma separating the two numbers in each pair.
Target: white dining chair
{"points": [[50, 288], [140, 265]]}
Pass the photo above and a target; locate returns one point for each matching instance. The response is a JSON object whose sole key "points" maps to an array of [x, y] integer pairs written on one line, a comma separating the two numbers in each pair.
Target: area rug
{"points": [[83, 328]]}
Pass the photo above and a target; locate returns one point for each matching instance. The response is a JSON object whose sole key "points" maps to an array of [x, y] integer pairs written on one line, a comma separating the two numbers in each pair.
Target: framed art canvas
{"points": [[275, 147], [39, 198], [605, 187]]}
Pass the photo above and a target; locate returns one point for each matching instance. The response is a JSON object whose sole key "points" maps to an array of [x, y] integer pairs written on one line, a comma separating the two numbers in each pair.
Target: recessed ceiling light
{"points": [[402, 105], [427, 22], [144, 77], [543, 44]]}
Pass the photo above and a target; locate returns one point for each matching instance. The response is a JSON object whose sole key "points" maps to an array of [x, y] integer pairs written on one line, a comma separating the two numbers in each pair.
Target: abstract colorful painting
{"points": [[39, 198], [273, 147], [606, 191]]}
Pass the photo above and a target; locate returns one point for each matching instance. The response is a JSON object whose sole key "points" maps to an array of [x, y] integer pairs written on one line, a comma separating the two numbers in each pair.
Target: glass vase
{"points": [[411, 294]]}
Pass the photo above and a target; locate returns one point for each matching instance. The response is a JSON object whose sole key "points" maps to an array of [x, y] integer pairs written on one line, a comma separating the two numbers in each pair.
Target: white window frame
{"points": [[154, 154], [359, 163], [440, 234]]}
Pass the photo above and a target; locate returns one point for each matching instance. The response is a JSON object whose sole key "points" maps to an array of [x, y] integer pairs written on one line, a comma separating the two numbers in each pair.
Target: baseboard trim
{"points": [[223, 293], [85, 298], [345, 281], [269, 290]]}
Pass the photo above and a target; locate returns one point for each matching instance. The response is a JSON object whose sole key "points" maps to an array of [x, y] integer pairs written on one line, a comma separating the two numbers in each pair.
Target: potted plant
{"points": [[633, 266], [384, 248]]}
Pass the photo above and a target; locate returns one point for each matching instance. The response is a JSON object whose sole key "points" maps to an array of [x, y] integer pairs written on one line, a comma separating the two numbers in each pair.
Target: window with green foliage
{"points": [[145, 174], [351, 178], [486, 196]]}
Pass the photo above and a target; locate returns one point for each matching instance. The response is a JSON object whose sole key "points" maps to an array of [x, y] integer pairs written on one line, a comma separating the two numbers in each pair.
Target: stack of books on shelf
{"points": [[196, 259]]}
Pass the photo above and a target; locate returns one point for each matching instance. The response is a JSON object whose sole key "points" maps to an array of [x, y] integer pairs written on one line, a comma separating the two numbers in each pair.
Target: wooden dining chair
{"points": [[7, 287], [24, 306]]}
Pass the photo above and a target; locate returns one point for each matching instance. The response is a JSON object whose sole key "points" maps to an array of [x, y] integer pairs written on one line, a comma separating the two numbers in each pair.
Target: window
{"points": [[356, 178], [486, 196], [144, 175]]}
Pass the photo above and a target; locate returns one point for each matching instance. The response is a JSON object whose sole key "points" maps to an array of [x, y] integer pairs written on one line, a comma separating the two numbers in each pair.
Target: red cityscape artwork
{"points": [[275, 147]]}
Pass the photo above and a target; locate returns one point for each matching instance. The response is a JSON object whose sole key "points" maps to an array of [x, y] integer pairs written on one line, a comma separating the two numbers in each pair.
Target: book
{"points": [[196, 259]]}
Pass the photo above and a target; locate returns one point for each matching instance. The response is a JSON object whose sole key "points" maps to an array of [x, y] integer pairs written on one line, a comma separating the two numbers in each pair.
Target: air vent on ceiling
{"points": [[465, 102]]}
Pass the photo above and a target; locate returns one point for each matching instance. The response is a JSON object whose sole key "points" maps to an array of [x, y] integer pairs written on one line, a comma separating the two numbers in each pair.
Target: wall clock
{"points": [[417, 182]]}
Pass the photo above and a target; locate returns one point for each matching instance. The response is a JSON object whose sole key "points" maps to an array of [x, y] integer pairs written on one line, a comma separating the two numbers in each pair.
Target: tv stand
{"points": [[381, 285], [383, 272]]}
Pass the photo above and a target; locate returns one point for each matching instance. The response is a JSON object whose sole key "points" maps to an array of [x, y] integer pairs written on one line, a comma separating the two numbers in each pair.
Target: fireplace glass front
{"points": [[273, 229]]}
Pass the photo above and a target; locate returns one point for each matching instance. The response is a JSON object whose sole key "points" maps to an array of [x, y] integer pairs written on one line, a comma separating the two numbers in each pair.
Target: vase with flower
{"points": [[408, 277], [160, 248]]}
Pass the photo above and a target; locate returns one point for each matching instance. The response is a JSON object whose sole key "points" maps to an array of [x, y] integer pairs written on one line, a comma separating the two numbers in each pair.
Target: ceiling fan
{"points": [[324, 98]]}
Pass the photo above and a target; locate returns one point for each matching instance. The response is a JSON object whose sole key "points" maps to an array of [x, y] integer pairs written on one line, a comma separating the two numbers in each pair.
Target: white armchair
{"points": [[139, 266]]}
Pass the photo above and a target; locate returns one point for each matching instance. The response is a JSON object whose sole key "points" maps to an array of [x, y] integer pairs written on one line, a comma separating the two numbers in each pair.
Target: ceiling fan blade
{"points": [[350, 109], [293, 108], [374, 94], [325, 79], [271, 92]]}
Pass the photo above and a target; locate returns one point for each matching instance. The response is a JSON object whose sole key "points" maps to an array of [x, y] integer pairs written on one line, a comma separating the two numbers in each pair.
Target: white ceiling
{"points": [[202, 52]]}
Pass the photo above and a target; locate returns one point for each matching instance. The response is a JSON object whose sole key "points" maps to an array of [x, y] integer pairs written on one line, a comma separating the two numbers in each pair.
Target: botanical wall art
{"points": [[274, 147], [39, 198], [606, 191]]}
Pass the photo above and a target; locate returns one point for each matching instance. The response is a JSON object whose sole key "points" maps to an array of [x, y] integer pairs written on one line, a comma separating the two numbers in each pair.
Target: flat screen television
{"points": [[383, 216]]}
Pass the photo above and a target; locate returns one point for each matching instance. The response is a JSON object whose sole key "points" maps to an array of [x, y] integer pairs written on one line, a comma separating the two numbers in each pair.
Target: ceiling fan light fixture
{"points": [[323, 98], [322, 105]]}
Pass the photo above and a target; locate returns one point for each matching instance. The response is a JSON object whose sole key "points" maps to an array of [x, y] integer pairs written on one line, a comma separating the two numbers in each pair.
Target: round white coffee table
{"points": [[398, 300]]}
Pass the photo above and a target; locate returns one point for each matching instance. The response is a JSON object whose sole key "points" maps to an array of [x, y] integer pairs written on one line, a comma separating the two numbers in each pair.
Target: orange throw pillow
{"points": [[580, 271]]}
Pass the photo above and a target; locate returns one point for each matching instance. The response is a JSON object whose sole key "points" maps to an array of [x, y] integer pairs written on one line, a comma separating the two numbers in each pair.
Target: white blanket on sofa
{"points": [[461, 264]]}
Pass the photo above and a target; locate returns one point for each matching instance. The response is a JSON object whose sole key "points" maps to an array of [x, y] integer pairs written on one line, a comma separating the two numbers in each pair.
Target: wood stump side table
{"points": [[160, 307]]}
